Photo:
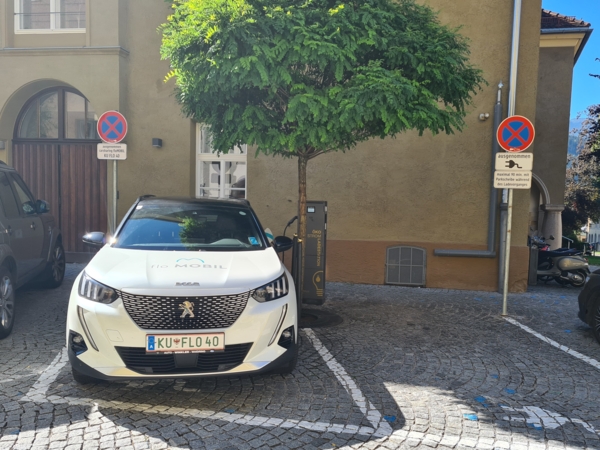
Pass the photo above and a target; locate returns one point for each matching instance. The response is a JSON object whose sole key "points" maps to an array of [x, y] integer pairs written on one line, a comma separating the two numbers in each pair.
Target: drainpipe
{"points": [[506, 206], [491, 237]]}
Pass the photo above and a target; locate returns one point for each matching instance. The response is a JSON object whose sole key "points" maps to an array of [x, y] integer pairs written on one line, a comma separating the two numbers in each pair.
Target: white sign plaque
{"points": [[510, 179], [514, 161], [112, 151]]}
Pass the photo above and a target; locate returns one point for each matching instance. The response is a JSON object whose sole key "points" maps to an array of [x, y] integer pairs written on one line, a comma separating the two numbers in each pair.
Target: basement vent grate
{"points": [[405, 266]]}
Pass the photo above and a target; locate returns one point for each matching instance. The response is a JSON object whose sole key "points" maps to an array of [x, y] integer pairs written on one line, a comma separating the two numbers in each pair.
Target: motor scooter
{"points": [[565, 267]]}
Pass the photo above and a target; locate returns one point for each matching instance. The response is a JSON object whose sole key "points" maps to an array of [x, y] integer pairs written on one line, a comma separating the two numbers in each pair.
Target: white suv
{"points": [[185, 288]]}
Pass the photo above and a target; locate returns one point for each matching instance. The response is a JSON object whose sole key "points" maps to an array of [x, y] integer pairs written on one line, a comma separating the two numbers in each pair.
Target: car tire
{"points": [[81, 378], [55, 269], [7, 302], [595, 322]]}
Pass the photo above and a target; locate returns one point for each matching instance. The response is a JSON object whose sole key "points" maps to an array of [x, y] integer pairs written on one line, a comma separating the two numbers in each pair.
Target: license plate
{"points": [[185, 343]]}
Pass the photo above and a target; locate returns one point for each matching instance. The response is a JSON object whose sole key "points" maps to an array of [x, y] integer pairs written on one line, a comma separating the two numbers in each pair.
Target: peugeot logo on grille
{"points": [[188, 309]]}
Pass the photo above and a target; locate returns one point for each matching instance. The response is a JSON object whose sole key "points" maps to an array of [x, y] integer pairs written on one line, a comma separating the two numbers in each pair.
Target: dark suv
{"points": [[30, 244], [589, 303]]}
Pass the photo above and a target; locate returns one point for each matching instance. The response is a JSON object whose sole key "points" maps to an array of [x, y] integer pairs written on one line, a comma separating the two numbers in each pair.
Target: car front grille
{"points": [[165, 313], [136, 359]]}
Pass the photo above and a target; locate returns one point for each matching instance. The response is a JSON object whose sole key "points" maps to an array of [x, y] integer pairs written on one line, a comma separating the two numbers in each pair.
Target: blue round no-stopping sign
{"points": [[515, 134], [112, 127]]}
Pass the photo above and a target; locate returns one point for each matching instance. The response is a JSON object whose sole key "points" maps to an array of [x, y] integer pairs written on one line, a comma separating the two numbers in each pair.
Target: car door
{"points": [[13, 224], [33, 228]]}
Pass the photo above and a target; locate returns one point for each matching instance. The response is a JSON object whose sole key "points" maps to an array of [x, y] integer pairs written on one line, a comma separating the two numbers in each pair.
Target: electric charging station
{"points": [[314, 253]]}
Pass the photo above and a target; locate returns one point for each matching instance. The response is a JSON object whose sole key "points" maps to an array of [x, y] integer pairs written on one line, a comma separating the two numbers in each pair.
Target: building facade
{"points": [[64, 62]]}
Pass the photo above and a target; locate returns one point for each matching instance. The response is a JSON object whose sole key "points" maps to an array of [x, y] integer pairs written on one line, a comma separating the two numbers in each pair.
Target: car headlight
{"points": [[272, 291], [92, 290]]}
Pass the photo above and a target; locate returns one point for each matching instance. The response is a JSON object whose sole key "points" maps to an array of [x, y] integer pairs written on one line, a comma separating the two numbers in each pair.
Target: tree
{"points": [[300, 78], [582, 190], [582, 183]]}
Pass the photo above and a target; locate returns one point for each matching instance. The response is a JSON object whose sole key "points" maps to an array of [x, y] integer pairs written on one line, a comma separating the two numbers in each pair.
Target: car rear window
{"points": [[190, 226]]}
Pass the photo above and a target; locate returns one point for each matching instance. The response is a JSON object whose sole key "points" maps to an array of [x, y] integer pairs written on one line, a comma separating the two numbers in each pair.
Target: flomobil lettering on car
{"points": [[186, 288]]}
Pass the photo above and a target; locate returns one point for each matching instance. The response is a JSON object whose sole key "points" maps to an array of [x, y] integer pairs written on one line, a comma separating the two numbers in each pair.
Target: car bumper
{"points": [[108, 329], [244, 369]]}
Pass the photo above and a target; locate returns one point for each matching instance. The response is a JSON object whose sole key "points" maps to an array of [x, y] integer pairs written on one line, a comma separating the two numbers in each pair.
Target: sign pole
{"points": [[507, 253], [115, 196], [112, 128], [513, 171]]}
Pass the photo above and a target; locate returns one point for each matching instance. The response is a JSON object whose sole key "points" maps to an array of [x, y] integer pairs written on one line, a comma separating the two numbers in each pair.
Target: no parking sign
{"points": [[112, 127], [515, 133]]}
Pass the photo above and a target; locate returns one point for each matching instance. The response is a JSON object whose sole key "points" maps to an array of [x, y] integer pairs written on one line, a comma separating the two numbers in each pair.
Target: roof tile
{"points": [[552, 20]]}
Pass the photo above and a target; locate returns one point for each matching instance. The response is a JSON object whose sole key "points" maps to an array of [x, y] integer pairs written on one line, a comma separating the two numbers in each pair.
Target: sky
{"points": [[586, 89]]}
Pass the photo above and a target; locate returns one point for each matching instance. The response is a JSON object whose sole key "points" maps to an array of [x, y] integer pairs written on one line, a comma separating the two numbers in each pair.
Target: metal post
{"points": [[507, 251], [502, 246], [115, 197], [512, 100]]}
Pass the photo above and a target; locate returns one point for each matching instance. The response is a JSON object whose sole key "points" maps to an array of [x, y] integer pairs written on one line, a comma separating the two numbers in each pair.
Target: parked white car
{"points": [[185, 288]]}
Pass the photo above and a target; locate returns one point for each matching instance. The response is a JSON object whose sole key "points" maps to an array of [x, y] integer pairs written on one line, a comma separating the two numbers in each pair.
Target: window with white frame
{"points": [[40, 16], [219, 176]]}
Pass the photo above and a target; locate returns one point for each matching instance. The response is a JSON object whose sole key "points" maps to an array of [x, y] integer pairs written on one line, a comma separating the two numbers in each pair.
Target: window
{"points": [[219, 176], [25, 198], [171, 225], [80, 118], [41, 119], [11, 209], [58, 114], [49, 15]]}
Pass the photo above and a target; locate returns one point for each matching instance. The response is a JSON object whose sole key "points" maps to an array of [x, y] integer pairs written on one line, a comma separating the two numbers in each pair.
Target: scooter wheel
{"points": [[578, 279]]}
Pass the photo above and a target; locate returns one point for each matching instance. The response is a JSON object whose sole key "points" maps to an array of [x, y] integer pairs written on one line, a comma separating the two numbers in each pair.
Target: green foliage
{"points": [[582, 184], [304, 77]]}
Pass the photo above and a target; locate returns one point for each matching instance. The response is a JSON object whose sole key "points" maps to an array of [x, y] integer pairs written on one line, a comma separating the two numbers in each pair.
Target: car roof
{"points": [[4, 166], [230, 202]]}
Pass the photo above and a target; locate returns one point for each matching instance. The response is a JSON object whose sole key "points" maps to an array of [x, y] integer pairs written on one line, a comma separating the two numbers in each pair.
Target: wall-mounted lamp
{"points": [[2, 145], [156, 142], [484, 116]]}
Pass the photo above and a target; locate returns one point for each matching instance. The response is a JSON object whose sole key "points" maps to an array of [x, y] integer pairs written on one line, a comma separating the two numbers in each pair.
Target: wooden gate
{"points": [[73, 180]]}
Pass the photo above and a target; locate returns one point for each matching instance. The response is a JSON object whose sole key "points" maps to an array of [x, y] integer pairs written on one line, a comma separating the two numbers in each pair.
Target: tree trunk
{"points": [[302, 162]]}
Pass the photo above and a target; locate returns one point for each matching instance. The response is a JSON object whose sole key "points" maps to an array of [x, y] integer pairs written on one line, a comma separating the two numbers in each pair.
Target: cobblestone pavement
{"points": [[408, 368]]}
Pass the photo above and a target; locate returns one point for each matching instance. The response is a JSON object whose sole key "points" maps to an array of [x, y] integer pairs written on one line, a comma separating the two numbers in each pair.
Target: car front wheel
{"points": [[7, 303], [596, 319]]}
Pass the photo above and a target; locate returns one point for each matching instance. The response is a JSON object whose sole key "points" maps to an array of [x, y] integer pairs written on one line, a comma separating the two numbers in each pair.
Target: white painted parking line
{"points": [[564, 348], [372, 414], [38, 393]]}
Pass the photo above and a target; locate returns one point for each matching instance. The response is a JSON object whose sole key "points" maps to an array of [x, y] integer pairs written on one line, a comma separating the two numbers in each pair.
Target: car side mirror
{"points": [[42, 206], [95, 239], [282, 243]]}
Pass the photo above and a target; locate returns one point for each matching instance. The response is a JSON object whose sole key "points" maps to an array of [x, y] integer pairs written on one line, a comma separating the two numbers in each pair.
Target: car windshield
{"points": [[190, 226]]}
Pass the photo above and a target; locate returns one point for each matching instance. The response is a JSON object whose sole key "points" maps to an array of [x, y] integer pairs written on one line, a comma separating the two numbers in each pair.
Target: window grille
{"points": [[50, 15], [219, 176], [405, 266]]}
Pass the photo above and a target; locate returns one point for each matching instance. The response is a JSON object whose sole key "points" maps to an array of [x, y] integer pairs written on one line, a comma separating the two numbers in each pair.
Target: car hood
{"points": [[184, 273]]}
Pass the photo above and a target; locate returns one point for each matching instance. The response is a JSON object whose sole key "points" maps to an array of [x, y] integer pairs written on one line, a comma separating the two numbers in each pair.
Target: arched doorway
{"points": [[54, 149]]}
